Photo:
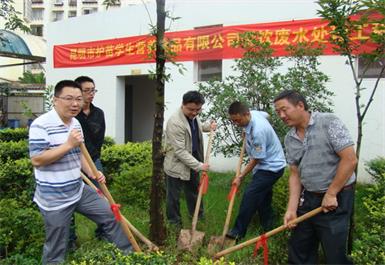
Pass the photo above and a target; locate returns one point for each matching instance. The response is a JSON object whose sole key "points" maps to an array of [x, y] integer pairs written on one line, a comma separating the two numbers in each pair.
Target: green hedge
{"points": [[13, 150], [16, 135], [369, 242], [132, 154], [21, 228], [16, 177]]}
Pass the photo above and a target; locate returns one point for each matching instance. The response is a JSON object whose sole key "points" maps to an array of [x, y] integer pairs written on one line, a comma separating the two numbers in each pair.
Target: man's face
{"points": [[241, 120], [69, 103], [290, 114], [191, 110], [89, 91]]}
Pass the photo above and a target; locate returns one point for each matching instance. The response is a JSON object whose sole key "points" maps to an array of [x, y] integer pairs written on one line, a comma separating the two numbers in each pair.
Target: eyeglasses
{"points": [[90, 91], [70, 100]]}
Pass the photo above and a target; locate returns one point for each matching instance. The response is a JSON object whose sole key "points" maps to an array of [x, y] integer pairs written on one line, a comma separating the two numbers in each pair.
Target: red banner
{"points": [[211, 43]]}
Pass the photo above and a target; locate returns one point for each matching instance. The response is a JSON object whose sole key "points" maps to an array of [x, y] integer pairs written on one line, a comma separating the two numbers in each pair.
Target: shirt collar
{"points": [[312, 120]]}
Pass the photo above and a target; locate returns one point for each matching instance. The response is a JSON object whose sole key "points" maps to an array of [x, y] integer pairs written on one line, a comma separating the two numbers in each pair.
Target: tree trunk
{"points": [[157, 227]]}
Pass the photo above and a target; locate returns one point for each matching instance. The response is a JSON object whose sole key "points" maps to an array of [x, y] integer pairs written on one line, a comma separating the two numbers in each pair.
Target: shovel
{"points": [[268, 234], [190, 238], [151, 246], [108, 195], [218, 242]]}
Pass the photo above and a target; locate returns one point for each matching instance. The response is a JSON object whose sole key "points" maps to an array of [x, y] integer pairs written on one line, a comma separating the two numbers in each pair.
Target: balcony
{"points": [[58, 3], [89, 2], [37, 2]]}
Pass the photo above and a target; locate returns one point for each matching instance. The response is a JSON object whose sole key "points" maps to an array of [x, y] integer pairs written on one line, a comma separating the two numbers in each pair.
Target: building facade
{"points": [[126, 93]]}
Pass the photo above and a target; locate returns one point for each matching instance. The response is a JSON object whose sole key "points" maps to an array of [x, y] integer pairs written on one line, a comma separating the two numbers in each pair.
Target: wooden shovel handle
{"points": [[144, 239], [232, 199], [199, 199], [268, 234], [108, 195]]}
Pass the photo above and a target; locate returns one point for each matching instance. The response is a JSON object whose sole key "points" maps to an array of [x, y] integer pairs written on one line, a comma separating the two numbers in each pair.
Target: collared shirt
{"points": [[94, 128], [58, 184], [262, 143], [316, 155]]}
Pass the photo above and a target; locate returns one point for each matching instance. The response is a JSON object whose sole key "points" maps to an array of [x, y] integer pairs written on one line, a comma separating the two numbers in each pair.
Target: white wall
{"points": [[134, 20]]}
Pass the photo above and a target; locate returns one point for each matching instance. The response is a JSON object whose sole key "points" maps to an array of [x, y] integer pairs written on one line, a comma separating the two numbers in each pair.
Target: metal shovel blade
{"points": [[188, 240], [217, 243]]}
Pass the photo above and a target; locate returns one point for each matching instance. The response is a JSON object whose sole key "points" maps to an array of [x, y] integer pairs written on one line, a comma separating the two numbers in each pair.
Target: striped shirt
{"points": [[316, 155], [59, 184]]}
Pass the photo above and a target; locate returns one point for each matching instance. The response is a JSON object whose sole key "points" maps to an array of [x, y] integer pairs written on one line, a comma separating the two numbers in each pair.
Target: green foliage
{"points": [[376, 168], [16, 178], [11, 17], [108, 142], [207, 261], [16, 135], [132, 154], [48, 97], [259, 79], [19, 259], [369, 243], [13, 150], [132, 185], [21, 229], [110, 255], [31, 78]]}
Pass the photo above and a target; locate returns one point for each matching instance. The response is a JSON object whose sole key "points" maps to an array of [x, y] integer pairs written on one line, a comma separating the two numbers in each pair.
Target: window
{"points": [[58, 3], [89, 11], [37, 14], [72, 3], [208, 70], [72, 14], [57, 16], [37, 30], [374, 68]]}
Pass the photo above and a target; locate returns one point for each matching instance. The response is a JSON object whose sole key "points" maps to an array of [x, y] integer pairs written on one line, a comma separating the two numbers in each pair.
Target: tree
{"points": [[11, 16], [342, 17], [259, 78], [30, 78], [157, 227]]}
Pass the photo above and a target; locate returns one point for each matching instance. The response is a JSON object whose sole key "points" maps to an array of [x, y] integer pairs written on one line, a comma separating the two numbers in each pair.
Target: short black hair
{"points": [[238, 107], [81, 79], [193, 96], [293, 96], [65, 83]]}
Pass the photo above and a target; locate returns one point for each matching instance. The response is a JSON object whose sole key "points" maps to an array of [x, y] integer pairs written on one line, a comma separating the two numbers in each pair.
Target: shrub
{"points": [[108, 254], [369, 245], [108, 141], [13, 150], [115, 156], [132, 184], [16, 135], [21, 229], [16, 177]]}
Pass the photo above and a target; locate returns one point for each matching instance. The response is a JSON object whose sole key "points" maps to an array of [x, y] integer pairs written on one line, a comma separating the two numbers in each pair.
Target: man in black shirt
{"points": [[93, 125]]}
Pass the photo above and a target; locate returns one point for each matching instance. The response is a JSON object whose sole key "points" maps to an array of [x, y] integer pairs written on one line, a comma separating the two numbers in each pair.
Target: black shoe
{"points": [[231, 235]]}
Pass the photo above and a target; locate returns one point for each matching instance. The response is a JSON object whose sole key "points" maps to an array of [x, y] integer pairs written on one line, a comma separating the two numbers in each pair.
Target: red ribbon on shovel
{"points": [[232, 192], [262, 242], [115, 210], [205, 182]]}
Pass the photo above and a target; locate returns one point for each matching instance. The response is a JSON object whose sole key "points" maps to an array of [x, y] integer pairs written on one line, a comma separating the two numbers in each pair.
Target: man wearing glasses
{"points": [[54, 140], [93, 125], [184, 155]]}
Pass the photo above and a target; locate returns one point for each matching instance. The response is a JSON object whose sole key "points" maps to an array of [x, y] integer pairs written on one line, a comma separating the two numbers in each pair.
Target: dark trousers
{"points": [[330, 229], [174, 188], [99, 233], [257, 197]]}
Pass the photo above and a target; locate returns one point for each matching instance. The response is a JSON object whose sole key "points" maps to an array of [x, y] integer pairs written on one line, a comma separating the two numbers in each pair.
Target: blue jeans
{"points": [[257, 197]]}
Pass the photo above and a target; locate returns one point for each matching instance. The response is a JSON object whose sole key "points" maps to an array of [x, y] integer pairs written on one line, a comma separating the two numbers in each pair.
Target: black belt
{"points": [[322, 193]]}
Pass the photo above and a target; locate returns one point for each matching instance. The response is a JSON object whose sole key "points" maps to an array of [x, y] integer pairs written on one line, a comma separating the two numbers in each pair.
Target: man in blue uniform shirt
{"points": [[266, 161]]}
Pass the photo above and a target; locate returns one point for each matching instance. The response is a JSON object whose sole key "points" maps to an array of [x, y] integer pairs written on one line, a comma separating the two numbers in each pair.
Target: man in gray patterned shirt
{"points": [[321, 156]]}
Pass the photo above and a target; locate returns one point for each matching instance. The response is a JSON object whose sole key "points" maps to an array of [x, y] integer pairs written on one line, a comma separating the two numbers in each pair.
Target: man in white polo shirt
{"points": [[54, 140]]}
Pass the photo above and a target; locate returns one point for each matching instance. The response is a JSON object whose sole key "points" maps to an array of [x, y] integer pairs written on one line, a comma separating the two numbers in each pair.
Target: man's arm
{"points": [[51, 155], [345, 169], [249, 167], [295, 187]]}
